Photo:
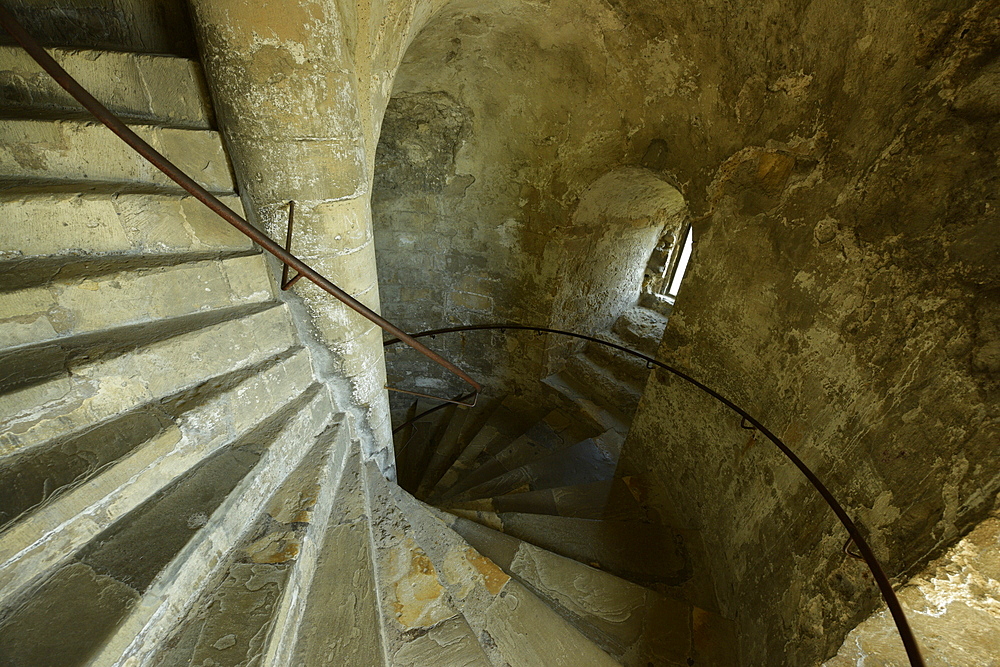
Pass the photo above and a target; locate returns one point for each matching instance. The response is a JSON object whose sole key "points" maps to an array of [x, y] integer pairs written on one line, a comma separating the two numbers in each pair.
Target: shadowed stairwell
{"points": [[198, 467]]}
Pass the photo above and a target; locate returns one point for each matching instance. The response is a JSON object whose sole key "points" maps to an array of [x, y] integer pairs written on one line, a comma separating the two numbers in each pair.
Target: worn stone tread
{"points": [[510, 419], [87, 152], [578, 402], [166, 90], [556, 431], [412, 596], [495, 606], [601, 383], [605, 499], [47, 535], [62, 310], [635, 624], [627, 368], [99, 391], [123, 227], [467, 423], [590, 460], [644, 553], [236, 617], [641, 329], [170, 594]]}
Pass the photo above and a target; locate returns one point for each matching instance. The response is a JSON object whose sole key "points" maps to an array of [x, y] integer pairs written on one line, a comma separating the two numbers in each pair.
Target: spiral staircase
{"points": [[179, 485]]}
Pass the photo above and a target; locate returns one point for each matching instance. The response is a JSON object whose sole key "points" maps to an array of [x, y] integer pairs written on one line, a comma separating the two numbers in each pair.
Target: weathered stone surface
{"points": [[78, 151], [169, 594], [159, 89], [449, 643], [59, 625], [47, 536], [42, 314], [412, 595], [644, 553], [78, 225], [143, 26], [953, 607], [100, 391], [517, 614]]}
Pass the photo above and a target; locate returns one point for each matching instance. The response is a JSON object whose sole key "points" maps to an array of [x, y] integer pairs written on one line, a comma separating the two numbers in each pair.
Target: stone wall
{"points": [[843, 289], [503, 115]]}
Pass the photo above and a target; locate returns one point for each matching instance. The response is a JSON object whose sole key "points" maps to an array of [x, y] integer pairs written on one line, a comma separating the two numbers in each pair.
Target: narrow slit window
{"points": [[682, 262]]}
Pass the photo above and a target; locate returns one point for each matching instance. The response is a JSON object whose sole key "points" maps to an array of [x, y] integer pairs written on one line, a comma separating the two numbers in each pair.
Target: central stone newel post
{"points": [[286, 88]]}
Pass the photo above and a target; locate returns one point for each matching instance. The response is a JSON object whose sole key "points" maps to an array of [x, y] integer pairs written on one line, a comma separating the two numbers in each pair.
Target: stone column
{"points": [[285, 85]]}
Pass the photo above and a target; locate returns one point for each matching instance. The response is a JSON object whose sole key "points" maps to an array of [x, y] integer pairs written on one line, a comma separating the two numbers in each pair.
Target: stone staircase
{"points": [[531, 486], [179, 485]]}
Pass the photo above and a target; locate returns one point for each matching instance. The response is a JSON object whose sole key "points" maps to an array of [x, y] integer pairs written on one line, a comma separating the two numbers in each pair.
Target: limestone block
{"points": [[450, 643], [518, 614], [300, 168], [87, 151], [411, 591], [106, 302], [69, 224], [322, 227], [338, 625], [953, 607], [601, 600], [103, 389], [33, 545], [145, 26], [163, 89], [151, 621], [68, 636]]}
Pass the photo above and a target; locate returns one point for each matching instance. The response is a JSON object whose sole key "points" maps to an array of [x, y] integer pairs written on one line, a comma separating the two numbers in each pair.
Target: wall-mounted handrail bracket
{"points": [[286, 284], [459, 401]]}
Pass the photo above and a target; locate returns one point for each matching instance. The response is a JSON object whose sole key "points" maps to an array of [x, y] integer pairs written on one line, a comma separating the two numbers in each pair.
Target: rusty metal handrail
{"points": [[864, 550], [115, 124]]}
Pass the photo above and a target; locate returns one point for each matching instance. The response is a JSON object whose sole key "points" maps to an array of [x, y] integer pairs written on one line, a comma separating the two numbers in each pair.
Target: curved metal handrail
{"points": [[154, 157], [865, 551]]}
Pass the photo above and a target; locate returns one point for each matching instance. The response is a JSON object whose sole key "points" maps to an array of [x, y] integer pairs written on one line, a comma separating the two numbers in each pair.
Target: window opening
{"points": [[681, 266]]}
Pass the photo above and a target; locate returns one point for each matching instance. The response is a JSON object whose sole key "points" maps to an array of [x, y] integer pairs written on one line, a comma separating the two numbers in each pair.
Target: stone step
{"points": [[244, 612], [49, 236], [506, 422], [580, 406], [556, 432], [516, 626], [618, 397], [182, 367], [52, 327], [330, 609], [59, 500], [84, 156], [647, 554], [607, 499], [440, 421], [408, 464], [413, 598], [191, 560], [637, 626], [591, 460], [146, 26], [628, 368], [138, 88], [641, 329], [447, 449]]}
